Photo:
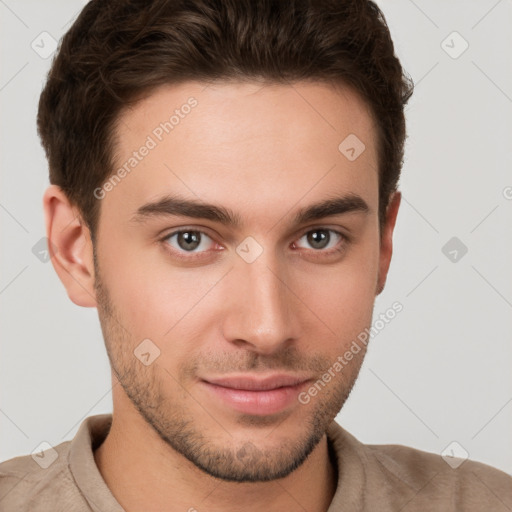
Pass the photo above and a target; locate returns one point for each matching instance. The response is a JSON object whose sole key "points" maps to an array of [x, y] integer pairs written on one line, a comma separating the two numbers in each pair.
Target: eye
{"points": [[188, 241], [191, 243], [324, 240]]}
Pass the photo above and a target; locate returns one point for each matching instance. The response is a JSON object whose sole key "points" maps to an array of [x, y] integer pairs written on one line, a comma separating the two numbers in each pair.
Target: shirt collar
{"points": [[344, 450], [82, 465]]}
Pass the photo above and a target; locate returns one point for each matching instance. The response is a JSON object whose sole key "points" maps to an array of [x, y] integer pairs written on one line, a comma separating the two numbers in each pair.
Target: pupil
{"points": [[318, 240], [190, 238]]}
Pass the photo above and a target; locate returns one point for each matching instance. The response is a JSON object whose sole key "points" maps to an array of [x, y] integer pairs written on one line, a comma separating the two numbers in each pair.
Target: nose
{"points": [[261, 314]]}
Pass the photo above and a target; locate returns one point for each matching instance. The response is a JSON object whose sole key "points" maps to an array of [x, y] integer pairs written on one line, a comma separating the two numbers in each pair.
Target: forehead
{"points": [[243, 144]]}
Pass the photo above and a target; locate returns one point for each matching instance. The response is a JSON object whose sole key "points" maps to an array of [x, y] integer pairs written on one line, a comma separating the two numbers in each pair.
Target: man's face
{"points": [[264, 297]]}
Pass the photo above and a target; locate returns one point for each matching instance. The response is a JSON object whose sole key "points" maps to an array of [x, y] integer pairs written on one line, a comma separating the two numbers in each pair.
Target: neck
{"points": [[145, 473]]}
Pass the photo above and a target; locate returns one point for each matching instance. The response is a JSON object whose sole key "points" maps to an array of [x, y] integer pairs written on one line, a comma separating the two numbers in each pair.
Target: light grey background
{"points": [[439, 372]]}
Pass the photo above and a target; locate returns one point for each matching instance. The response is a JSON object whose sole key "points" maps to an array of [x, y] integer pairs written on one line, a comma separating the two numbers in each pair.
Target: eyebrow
{"points": [[178, 206]]}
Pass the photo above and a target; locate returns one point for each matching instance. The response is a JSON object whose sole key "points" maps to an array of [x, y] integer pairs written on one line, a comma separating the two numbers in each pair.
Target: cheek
{"points": [[155, 299], [343, 295], [344, 304]]}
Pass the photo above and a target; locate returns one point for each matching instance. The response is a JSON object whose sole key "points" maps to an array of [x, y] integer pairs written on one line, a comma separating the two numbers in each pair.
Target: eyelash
{"points": [[191, 256]]}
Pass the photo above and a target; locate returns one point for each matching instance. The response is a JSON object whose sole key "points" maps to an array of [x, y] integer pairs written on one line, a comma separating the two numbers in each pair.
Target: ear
{"points": [[386, 240], [70, 247]]}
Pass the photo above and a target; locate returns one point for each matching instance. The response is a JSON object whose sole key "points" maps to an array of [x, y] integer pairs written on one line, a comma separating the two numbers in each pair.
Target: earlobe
{"points": [[386, 242], [70, 246]]}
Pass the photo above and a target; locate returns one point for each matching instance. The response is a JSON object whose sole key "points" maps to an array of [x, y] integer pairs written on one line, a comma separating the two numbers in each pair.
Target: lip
{"points": [[257, 396]]}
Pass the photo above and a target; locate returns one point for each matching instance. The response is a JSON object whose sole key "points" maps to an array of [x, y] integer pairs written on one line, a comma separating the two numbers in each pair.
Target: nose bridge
{"points": [[262, 308]]}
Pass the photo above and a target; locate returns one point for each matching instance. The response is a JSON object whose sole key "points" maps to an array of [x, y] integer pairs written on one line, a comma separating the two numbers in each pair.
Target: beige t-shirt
{"points": [[370, 478]]}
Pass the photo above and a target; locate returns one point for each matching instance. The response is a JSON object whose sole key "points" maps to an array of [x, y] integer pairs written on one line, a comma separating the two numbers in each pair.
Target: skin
{"points": [[264, 152]]}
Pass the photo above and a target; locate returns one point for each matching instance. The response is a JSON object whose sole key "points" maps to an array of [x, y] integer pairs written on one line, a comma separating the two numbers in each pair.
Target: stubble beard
{"points": [[175, 423]]}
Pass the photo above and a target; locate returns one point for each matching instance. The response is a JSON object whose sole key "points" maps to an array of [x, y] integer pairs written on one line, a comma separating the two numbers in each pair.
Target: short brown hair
{"points": [[118, 50]]}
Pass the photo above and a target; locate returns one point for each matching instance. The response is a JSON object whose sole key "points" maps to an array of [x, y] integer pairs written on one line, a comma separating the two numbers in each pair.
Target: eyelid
{"points": [[337, 229], [204, 231], [344, 239]]}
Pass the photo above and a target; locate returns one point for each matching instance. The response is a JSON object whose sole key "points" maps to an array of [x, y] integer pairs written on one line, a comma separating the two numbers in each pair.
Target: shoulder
{"points": [[413, 461], [405, 478], [31, 482], [464, 483]]}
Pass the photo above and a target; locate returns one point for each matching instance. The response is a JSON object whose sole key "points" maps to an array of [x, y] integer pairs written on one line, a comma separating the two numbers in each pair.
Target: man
{"points": [[224, 190]]}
